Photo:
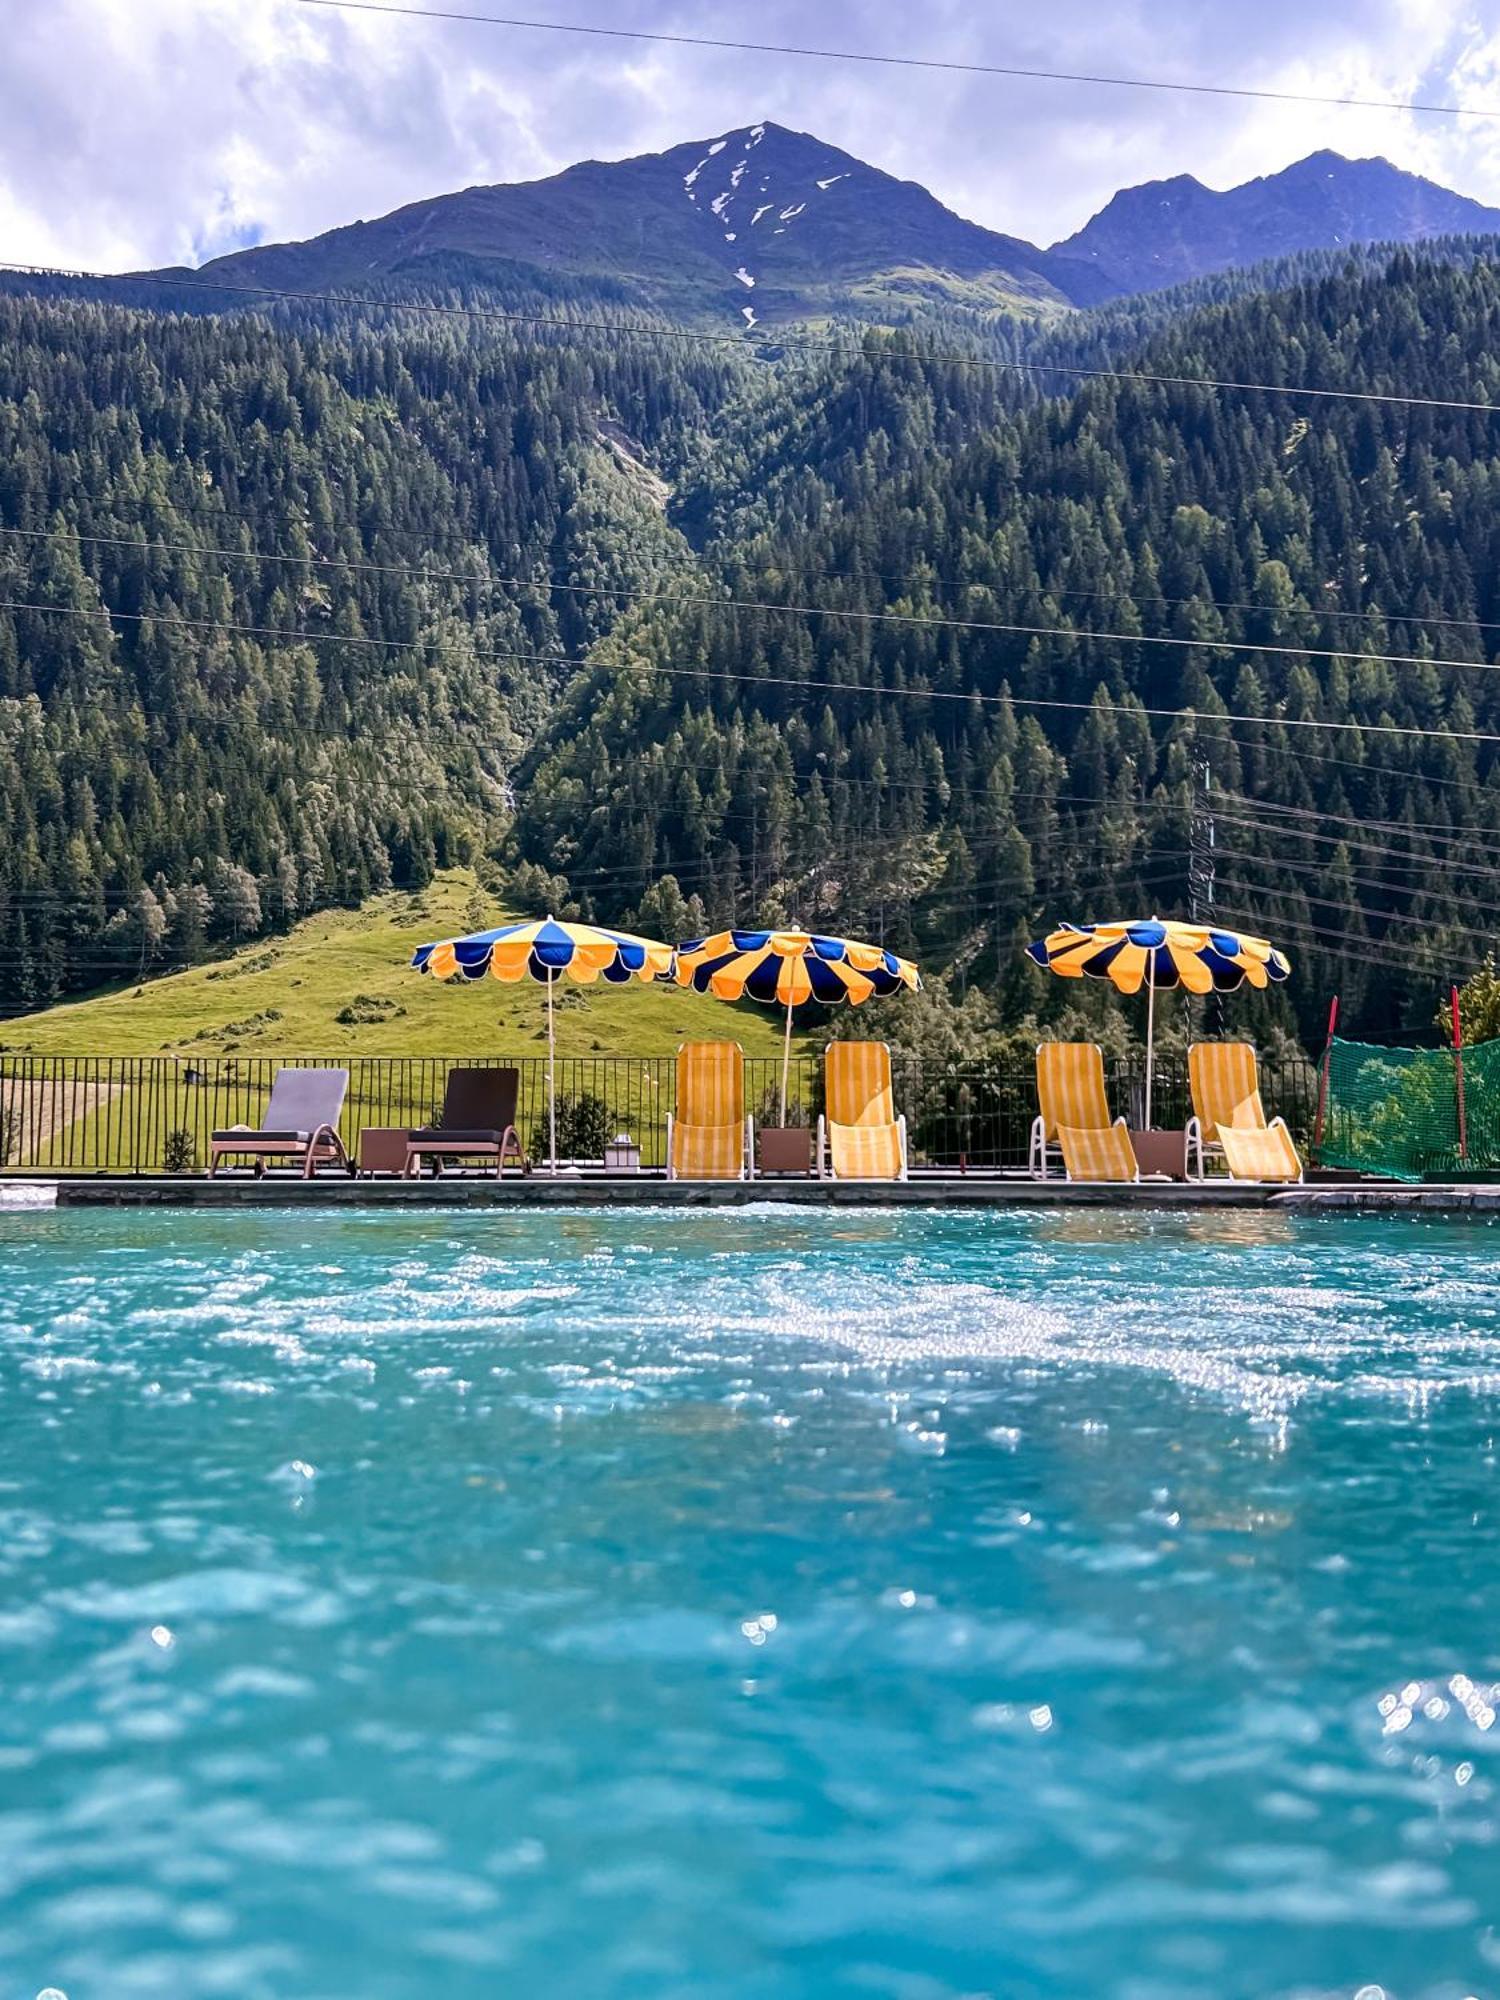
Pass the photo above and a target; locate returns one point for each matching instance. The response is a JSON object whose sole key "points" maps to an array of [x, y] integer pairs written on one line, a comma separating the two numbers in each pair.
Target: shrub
{"points": [[585, 1126], [1478, 1006], [179, 1153], [10, 1133], [768, 1111], [366, 1009]]}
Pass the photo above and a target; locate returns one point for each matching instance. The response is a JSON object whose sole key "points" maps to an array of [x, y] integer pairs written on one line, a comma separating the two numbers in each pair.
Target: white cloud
{"points": [[135, 134]]}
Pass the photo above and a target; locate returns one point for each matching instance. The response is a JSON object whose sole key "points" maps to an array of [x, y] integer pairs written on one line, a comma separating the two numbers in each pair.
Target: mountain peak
{"points": [[763, 225], [758, 224], [1165, 232]]}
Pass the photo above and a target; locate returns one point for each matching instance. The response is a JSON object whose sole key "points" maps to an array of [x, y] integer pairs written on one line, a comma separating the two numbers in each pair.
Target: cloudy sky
{"points": [[146, 132]]}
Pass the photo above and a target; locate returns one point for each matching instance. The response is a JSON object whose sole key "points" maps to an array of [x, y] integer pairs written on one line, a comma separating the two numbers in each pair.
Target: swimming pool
{"points": [[754, 1602]]}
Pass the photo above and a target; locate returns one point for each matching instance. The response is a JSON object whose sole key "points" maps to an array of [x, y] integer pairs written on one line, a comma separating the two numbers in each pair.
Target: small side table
{"points": [[382, 1149], [785, 1149], [1161, 1155]]}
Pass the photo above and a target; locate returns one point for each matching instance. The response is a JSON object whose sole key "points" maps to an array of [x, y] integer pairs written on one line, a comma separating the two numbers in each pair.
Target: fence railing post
{"points": [[1317, 1138]]}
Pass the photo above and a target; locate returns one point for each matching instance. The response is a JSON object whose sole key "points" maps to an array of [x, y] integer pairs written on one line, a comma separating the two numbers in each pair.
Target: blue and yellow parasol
{"points": [[785, 968], [1202, 958], [546, 950]]}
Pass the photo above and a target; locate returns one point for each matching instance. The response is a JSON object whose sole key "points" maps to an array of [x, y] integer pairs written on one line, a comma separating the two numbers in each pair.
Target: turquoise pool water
{"points": [[752, 1603]]}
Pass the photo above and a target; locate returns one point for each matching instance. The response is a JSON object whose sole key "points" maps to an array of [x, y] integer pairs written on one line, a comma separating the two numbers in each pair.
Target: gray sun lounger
{"points": [[478, 1123], [301, 1124]]}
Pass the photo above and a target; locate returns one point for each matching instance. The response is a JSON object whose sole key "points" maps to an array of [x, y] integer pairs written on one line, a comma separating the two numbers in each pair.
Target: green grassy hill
{"points": [[340, 984]]}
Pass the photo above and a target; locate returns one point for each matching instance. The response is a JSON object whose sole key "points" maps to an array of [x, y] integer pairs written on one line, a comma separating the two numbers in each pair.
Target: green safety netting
{"points": [[1395, 1111]]}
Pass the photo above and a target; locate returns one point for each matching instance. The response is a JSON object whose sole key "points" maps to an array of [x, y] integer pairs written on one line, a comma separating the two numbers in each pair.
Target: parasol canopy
{"points": [[786, 968], [547, 950], [1153, 952]]}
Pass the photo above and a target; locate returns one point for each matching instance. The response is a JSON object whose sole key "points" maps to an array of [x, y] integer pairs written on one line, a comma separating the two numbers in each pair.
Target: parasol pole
{"points": [[786, 1059], [551, 1071], [1150, 1027]]}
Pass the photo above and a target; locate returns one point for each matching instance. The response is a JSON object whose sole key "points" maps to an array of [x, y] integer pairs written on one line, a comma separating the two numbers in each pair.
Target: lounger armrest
{"points": [[441, 1135], [258, 1135], [326, 1135], [1038, 1154]]}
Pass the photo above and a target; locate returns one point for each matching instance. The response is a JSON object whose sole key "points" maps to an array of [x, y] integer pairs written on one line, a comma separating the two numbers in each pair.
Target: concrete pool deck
{"points": [[541, 1190]]}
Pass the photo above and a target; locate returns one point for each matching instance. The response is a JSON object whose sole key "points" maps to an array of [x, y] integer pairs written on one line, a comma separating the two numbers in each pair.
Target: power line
{"points": [[549, 580], [1388, 919], [1325, 938], [1156, 866], [1151, 859], [1372, 613], [1150, 866], [949, 65], [1335, 944], [1443, 832], [741, 340], [1290, 822], [1457, 899], [1367, 769], [938, 620], [1150, 862], [1412, 877], [1099, 806], [757, 680], [1406, 860]]}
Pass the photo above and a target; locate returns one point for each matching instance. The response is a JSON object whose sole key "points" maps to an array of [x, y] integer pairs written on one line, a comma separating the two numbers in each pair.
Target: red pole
{"points": [[1333, 1021], [1458, 1078]]}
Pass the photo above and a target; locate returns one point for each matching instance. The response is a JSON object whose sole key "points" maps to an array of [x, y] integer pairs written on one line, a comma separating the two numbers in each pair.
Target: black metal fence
{"points": [[154, 1114]]}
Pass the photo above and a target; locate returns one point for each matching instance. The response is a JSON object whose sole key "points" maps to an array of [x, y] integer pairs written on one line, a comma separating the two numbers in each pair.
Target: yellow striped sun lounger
{"points": [[709, 1137], [1069, 1091], [1098, 1152], [860, 1138], [1229, 1117]]}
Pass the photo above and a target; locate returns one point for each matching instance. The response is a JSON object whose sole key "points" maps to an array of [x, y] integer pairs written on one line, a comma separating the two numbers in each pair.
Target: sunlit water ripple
{"points": [[748, 1603]]}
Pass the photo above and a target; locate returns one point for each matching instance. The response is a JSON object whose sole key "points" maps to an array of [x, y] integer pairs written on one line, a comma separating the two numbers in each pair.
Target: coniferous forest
{"points": [[874, 634]]}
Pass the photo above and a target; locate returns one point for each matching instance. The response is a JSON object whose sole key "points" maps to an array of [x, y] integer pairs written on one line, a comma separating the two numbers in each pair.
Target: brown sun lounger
{"points": [[478, 1124], [301, 1124]]}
